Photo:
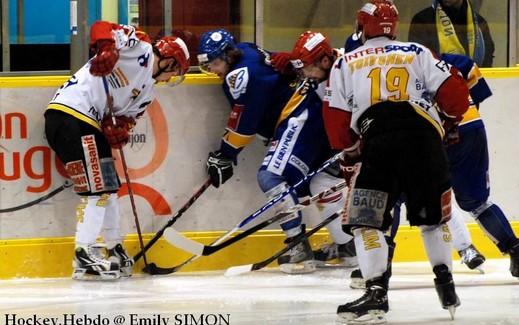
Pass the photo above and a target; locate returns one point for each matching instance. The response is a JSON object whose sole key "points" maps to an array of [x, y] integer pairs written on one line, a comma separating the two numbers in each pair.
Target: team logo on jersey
{"points": [[143, 60], [237, 81]]}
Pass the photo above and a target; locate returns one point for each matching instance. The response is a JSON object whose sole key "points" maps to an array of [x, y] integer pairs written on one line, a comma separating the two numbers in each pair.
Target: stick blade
{"points": [[237, 270], [177, 239]]}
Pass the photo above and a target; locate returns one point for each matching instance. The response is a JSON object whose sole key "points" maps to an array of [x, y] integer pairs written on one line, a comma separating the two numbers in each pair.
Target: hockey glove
{"points": [[281, 62], [452, 135], [106, 58], [117, 135], [219, 168]]}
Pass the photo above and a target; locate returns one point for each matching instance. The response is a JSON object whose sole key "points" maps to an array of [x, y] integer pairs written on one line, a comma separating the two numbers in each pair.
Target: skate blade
{"points": [[83, 275], [452, 311], [480, 269], [371, 317], [345, 262], [298, 268]]}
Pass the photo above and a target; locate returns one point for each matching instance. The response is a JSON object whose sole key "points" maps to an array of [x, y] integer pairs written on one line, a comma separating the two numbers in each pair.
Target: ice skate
{"points": [[514, 260], [298, 259], [344, 253], [471, 257], [371, 308], [119, 255], [445, 289], [90, 264]]}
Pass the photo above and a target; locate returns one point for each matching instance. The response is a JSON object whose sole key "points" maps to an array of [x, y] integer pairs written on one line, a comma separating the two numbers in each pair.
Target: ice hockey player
{"points": [[286, 113], [469, 162], [313, 57], [79, 128], [379, 114]]}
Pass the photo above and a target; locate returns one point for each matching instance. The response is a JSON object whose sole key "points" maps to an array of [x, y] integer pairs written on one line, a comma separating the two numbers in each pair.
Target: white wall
{"points": [[194, 117]]}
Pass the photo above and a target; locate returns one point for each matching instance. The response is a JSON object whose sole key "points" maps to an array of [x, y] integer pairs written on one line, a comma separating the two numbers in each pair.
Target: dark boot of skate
{"points": [[445, 288], [371, 308]]}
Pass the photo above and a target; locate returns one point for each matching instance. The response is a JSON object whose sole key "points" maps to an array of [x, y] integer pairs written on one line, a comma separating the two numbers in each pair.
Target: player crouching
{"points": [[81, 130]]}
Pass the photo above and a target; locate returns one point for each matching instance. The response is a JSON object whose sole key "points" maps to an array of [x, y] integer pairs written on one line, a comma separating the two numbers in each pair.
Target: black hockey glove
{"points": [[219, 168]]}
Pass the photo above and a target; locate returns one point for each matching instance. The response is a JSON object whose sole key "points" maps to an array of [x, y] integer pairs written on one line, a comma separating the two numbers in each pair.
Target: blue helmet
{"points": [[213, 44]]}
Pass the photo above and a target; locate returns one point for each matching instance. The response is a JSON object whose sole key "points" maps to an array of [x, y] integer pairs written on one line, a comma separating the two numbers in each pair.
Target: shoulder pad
{"points": [[237, 81]]}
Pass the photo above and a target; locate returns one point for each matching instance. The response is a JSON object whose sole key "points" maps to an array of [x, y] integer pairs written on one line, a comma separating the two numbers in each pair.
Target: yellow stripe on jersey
{"points": [[236, 140], [426, 116], [76, 114], [470, 115], [474, 76], [296, 99]]}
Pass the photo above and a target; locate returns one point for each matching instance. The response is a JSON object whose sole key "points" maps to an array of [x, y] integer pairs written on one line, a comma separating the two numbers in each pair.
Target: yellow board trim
{"points": [[52, 257], [56, 81], [199, 78]]}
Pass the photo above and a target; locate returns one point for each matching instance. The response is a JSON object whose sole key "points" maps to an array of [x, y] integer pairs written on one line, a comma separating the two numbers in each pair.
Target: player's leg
{"points": [[370, 200], [428, 201], [472, 189], [114, 239], [85, 154], [461, 240], [342, 246]]}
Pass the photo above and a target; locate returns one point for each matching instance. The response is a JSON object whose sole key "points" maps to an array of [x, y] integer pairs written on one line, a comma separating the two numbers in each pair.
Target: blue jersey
{"points": [[257, 95]]}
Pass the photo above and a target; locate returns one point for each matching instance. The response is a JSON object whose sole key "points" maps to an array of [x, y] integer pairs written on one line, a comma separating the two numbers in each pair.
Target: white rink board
{"points": [[193, 118]]}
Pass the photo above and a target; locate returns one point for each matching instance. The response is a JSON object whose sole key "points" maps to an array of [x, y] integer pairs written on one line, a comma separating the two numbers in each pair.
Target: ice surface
{"points": [[264, 297]]}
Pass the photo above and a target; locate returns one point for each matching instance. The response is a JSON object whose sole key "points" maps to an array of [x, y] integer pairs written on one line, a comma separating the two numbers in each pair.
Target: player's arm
{"points": [[337, 111], [452, 92], [248, 106], [478, 87], [246, 97], [103, 43]]}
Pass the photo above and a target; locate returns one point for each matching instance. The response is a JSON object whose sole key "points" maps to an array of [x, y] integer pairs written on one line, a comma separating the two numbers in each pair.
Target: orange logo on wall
{"points": [[17, 164]]}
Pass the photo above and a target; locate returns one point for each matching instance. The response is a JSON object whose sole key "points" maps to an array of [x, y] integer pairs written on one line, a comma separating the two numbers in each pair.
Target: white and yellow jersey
{"points": [[130, 83], [387, 70]]}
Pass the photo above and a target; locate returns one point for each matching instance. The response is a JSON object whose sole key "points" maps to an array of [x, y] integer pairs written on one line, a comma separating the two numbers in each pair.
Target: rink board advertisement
{"points": [[166, 159]]}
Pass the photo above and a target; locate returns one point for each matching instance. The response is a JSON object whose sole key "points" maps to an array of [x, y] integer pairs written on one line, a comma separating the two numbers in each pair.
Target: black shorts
{"points": [[64, 134], [403, 154]]}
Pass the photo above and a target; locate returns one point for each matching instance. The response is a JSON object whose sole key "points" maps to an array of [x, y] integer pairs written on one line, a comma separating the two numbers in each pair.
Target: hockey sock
{"points": [[372, 252], [493, 221], [458, 228], [111, 224], [437, 242], [330, 204], [291, 225], [90, 213]]}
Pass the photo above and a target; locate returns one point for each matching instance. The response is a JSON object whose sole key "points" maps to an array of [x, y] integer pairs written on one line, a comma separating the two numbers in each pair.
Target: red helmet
{"points": [[173, 47], [310, 47], [378, 18]]}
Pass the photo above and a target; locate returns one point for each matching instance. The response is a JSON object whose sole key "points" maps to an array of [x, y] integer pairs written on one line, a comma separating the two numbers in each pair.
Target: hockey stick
{"points": [[152, 268], [177, 239], [194, 257], [38, 200], [110, 104], [240, 269]]}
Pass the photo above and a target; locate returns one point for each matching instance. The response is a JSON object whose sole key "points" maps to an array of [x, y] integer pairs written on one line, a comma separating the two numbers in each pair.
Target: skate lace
{"points": [[96, 254]]}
